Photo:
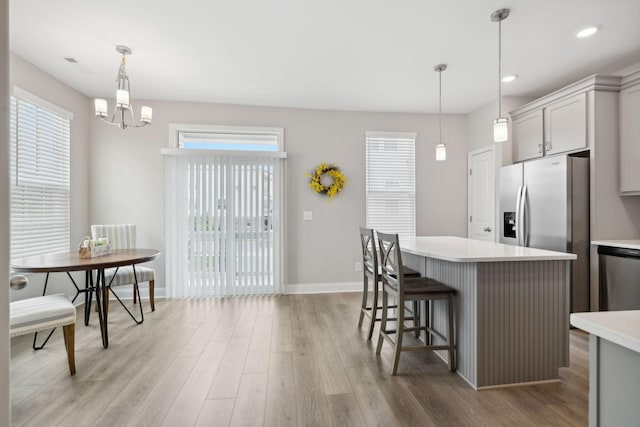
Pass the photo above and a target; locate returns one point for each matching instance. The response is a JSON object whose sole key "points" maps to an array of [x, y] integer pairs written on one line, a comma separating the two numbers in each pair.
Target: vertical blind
{"points": [[222, 225], [40, 144], [390, 182]]}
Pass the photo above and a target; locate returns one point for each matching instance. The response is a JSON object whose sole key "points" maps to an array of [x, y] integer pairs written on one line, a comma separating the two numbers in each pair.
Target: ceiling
{"points": [[362, 55]]}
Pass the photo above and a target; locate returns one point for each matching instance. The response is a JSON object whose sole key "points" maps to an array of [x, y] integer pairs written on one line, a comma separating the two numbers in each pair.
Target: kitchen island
{"points": [[512, 307]]}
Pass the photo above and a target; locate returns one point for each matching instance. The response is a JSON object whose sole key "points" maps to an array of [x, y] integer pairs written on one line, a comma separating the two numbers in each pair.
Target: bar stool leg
{"points": [[416, 318], [399, 335], [365, 295], [374, 310], [383, 322]]}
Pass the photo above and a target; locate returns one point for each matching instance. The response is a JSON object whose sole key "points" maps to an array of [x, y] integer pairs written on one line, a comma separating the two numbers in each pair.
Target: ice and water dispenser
{"points": [[509, 225]]}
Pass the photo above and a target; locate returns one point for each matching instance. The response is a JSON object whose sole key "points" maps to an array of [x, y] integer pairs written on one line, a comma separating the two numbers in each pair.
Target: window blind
{"points": [[40, 143], [390, 182]]}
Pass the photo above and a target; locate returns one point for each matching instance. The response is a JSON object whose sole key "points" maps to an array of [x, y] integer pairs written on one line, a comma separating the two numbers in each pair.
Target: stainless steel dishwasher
{"points": [[619, 278]]}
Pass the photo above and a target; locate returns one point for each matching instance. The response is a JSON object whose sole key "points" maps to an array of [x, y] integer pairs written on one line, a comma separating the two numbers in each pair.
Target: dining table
{"points": [[67, 262]]}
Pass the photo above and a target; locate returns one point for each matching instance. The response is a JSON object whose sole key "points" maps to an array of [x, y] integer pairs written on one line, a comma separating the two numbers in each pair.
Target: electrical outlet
{"points": [[358, 266]]}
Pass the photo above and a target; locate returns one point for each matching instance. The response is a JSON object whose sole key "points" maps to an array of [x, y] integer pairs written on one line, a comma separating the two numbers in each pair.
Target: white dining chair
{"points": [[32, 315], [123, 236]]}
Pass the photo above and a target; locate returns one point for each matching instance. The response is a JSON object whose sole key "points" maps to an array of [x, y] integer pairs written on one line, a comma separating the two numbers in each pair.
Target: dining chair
{"points": [[371, 277], [123, 236], [41, 313], [414, 289]]}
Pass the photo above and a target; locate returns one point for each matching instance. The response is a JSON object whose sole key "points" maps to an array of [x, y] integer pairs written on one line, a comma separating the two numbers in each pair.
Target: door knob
{"points": [[487, 229]]}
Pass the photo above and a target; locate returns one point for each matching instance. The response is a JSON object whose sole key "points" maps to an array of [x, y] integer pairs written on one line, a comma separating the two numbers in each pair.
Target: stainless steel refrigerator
{"points": [[544, 204]]}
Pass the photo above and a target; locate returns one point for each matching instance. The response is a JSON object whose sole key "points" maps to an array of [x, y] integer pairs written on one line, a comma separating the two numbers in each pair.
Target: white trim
{"points": [[126, 292], [176, 128], [238, 153], [391, 135], [322, 288], [28, 96]]}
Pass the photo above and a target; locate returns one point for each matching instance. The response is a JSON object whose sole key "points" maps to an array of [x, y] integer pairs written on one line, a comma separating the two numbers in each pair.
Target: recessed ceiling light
{"points": [[587, 32], [509, 78]]}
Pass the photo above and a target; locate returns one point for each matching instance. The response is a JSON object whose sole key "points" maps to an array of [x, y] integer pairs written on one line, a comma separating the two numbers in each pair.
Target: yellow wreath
{"points": [[339, 180]]}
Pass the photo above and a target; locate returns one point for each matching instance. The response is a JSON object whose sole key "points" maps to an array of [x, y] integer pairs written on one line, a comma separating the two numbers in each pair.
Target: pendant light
{"points": [[441, 149], [500, 125]]}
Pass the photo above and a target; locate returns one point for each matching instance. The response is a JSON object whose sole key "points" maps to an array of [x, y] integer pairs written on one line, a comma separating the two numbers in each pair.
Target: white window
{"points": [[223, 212], [40, 143], [391, 182]]}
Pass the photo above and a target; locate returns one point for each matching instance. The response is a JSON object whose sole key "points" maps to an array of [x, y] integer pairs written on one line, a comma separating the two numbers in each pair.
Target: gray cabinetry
{"points": [[565, 125], [630, 135], [566, 120], [528, 136], [557, 127]]}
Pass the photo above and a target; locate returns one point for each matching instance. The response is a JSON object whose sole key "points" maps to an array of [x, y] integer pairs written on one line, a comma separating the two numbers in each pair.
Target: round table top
{"points": [[71, 261]]}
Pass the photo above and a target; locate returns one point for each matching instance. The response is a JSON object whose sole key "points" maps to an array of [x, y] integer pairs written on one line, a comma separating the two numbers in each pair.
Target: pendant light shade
{"points": [[441, 149], [500, 129], [501, 124], [441, 152]]}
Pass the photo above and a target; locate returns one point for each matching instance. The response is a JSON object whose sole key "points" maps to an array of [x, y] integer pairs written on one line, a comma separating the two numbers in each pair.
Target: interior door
{"points": [[482, 194]]}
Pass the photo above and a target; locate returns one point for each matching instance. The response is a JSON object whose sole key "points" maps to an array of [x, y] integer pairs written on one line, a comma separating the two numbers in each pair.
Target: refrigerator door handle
{"points": [[523, 220], [518, 224]]}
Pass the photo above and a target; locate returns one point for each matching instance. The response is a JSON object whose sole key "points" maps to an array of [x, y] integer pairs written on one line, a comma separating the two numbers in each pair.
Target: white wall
{"points": [[127, 178], [32, 79], [5, 390]]}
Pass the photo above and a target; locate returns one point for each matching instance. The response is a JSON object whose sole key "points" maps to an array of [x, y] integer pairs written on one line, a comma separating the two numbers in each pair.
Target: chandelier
{"points": [[122, 114]]}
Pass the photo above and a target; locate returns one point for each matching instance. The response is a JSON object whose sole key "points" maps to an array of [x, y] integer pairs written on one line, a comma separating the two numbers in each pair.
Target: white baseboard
{"points": [[322, 288], [126, 292]]}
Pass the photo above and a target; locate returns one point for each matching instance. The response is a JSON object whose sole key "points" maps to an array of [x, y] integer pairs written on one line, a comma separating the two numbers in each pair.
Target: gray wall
{"points": [[5, 399], [126, 178], [32, 79]]}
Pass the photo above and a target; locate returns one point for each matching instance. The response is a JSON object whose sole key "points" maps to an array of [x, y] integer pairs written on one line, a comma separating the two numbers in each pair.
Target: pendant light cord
{"points": [[499, 68], [440, 106]]}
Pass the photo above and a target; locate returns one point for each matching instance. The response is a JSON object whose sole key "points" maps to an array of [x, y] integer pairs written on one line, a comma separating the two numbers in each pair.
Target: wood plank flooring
{"points": [[295, 360]]}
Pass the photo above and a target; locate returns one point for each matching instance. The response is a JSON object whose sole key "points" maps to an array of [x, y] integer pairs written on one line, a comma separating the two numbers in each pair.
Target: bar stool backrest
{"points": [[369, 254], [390, 261]]}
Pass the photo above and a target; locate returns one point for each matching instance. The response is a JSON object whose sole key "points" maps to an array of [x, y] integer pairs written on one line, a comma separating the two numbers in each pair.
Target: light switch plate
{"points": [[308, 215]]}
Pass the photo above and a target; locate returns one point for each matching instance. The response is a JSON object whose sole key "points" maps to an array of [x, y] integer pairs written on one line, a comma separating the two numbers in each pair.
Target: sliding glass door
{"points": [[223, 224]]}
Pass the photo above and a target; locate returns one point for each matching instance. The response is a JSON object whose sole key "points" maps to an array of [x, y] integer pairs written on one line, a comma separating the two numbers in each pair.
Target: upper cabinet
{"points": [[565, 125], [630, 134], [558, 122], [528, 131]]}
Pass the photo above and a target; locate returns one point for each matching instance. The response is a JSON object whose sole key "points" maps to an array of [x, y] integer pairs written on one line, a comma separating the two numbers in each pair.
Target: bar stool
{"points": [[371, 274], [413, 289]]}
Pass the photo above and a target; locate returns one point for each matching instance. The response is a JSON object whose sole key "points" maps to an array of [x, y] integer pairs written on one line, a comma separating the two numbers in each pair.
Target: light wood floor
{"points": [[294, 360]]}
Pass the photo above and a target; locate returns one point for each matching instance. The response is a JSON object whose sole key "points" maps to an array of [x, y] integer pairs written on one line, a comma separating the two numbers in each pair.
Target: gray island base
{"points": [[512, 307]]}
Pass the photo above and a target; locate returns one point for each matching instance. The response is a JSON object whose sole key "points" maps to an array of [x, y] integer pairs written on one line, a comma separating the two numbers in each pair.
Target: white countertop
{"points": [[628, 244], [459, 249], [619, 327]]}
